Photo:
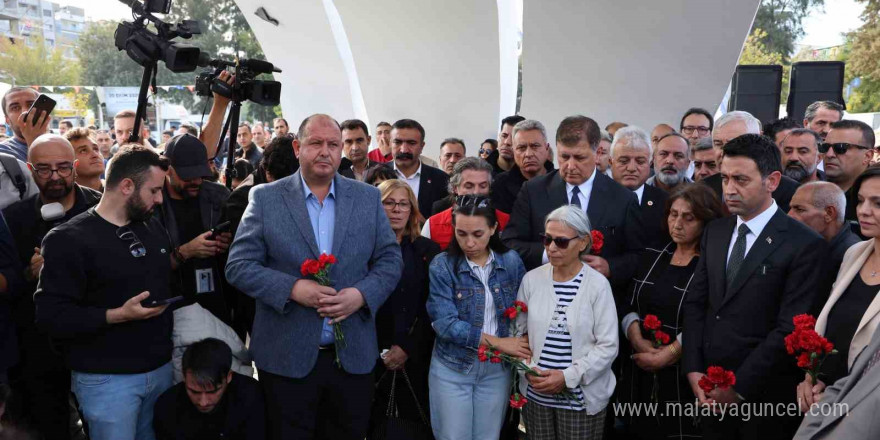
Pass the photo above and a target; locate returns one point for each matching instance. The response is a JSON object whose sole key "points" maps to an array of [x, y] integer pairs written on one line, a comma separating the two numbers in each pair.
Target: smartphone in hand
{"points": [[163, 302], [219, 229], [43, 104]]}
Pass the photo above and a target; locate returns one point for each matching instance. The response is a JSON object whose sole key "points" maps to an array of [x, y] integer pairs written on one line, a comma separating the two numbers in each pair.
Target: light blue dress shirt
{"points": [[323, 218]]}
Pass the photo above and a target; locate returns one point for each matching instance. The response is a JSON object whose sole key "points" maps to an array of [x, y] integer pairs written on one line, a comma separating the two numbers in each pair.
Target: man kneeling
{"points": [[212, 401]]}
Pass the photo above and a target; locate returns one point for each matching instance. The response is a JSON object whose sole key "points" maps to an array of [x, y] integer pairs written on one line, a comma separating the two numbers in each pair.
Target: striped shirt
{"points": [[556, 353]]}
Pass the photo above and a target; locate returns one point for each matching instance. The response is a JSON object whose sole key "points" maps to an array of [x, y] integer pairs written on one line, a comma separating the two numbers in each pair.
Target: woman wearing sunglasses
{"points": [[571, 325], [658, 288], [471, 285]]}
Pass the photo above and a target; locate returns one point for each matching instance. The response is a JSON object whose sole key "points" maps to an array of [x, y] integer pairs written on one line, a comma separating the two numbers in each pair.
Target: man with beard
{"points": [[40, 377], [800, 155], [848, 151], [16, 102], [191, 206], [280, 127], [531, 150], [429, 183], [504, 160], [672, 158], [100, 297], [89, 161]]}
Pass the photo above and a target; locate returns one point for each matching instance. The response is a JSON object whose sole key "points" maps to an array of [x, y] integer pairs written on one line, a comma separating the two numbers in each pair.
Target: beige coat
{"points": [[852, 263]]}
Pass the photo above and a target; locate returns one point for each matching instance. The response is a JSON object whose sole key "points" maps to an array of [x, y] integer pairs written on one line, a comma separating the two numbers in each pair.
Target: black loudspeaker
{"points": [[756, 89], [813, 81]]}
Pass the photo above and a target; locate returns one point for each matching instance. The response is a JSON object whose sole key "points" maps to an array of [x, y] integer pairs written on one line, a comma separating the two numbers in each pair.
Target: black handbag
{"points": [[396, 427]]}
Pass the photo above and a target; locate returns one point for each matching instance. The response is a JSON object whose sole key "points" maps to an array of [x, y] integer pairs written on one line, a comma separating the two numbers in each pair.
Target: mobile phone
{"points": [[42, 104], [219, 229], [163, 302]]}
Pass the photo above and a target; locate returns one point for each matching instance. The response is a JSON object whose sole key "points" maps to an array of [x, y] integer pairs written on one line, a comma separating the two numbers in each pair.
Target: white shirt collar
{"points": [[759, 222], [418, 172], [639, 193], [476, 266], [585, 187]]}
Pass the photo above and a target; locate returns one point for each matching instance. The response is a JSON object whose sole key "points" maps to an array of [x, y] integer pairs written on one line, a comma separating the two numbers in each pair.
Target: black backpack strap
{"points": [[10, 163]]}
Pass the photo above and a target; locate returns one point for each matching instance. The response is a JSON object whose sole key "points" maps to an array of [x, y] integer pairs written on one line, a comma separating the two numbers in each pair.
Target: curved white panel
{"points": [[634, 61], [433, 61], [303, 47]]}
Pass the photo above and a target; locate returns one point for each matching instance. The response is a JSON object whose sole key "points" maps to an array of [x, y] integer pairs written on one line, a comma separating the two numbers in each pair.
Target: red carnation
{"points": [[651, 322], [804, 321], [598, 241], [496, 357], [481, 353], [517, 401], [662, 337], [716, 377], [304, 268], [522, 306]]}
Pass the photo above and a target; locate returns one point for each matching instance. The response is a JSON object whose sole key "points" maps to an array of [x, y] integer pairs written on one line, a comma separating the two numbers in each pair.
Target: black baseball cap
{"points": [[188, 156]]}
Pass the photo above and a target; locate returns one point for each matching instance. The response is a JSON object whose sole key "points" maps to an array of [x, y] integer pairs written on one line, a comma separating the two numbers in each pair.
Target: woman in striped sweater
{"points": [[572, 329]]}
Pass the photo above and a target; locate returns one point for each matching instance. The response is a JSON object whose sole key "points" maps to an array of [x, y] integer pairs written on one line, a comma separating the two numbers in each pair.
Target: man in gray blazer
{"points": [[848, 409], [315, 211]]}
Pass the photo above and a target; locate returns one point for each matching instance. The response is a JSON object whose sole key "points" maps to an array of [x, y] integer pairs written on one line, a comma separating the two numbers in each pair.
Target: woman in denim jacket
{"points": [[471, 284]]}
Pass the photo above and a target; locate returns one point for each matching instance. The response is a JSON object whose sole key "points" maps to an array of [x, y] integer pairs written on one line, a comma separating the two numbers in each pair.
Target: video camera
{"points": [[258, 91], [146, 48]]}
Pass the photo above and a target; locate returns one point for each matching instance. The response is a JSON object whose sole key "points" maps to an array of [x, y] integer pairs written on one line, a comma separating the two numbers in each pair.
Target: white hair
{"points": [[827, 194], [753, 125], [574, 218], [633, 137], [529, 125]]}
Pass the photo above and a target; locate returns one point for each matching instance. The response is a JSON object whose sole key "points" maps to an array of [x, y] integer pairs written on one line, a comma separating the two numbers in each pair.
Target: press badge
{"points": [[204, 280]]}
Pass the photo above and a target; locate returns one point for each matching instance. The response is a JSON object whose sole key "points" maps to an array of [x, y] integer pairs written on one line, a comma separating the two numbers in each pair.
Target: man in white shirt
{"points": [[428, 183]]}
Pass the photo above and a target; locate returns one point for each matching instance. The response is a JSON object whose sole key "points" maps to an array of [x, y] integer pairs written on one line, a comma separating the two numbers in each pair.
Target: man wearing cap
{"points": [[191, 206]]}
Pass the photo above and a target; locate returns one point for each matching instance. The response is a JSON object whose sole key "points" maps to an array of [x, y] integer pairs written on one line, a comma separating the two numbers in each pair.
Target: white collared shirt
{"points": [[490, 322], [586, 188], [639, 193], [756, 226], [412, 181]]}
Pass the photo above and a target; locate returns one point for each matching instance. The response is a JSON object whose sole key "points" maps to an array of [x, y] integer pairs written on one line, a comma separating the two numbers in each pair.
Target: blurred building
{"points": [[29, 20]]}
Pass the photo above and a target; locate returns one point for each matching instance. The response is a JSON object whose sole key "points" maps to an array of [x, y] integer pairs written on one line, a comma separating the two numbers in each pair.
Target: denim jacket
{"points": [[457, 302]]}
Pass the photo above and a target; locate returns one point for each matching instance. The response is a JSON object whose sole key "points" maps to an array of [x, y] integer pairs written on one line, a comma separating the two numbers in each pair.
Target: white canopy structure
{"points": [[453, 65]]}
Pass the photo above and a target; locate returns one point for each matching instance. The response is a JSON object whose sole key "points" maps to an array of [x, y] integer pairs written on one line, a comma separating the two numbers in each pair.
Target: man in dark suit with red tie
{"points": [[757, 270]]}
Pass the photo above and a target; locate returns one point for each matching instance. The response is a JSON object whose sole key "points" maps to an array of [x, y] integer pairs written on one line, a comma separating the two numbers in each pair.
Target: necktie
{"points": [[575, 200], [738, 254]]}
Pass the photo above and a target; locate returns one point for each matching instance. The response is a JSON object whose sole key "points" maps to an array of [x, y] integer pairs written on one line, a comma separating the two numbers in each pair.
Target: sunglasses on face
{"points": [[839, 148], [137, 248], [561, 242]]}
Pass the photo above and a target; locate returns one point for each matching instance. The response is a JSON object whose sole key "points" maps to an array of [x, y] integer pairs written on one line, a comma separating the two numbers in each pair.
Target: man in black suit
{"points": [[735, 124], [429, 183], [355, 145], [612, 209], [631, 167], [757, 270], [530, 153]]}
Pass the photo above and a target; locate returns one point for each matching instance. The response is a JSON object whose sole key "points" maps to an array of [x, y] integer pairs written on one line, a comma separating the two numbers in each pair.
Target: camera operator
{"points": [[40, 378], [210, 134]]}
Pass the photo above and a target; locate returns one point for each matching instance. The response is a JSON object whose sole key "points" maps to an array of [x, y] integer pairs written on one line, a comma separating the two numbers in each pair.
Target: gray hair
{"points": [[634, 137], [528, 125], [574, 218], [702, 145], [454, 141], [827, 194], [468, 163], [753, 125], [605, 136], [803, 132], [813, 108]]}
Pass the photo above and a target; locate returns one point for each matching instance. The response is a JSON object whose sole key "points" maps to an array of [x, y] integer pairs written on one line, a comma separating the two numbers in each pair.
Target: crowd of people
{"points": [[339, 292]]}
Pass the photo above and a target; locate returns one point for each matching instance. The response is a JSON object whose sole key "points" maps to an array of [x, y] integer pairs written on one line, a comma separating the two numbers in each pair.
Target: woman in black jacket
{"points": [[402, 324]]}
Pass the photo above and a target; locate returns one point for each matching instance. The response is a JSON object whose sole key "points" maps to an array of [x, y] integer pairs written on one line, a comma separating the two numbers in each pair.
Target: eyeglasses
{"points": [[473, 200], [402, 206], [839, 148], [689, 130], [561, 242], [46, 172], [137, 248]]}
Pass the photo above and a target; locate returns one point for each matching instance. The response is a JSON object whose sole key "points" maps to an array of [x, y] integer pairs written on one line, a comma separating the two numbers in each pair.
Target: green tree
{"points": [[781, 22], [102, 63], [36, 64]]}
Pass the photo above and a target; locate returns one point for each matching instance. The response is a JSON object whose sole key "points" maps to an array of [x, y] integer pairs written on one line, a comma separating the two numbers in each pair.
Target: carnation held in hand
{"points": [[717, 377]]}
